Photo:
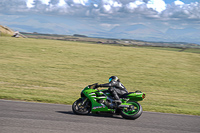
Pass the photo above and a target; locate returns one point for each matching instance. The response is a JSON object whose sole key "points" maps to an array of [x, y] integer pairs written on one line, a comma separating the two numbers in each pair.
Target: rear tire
{"points": [[80, 109], [132, 113]]}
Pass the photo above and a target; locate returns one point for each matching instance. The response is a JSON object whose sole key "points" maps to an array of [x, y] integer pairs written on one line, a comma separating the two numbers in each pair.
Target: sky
{"points": [[161, 20]]}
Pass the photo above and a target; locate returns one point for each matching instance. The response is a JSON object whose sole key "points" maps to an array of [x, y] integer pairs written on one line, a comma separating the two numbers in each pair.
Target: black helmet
{"points": [[113, 78]]}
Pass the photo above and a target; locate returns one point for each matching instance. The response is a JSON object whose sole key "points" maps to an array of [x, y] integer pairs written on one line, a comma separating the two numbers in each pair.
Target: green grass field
{"points": [[56, 72]]}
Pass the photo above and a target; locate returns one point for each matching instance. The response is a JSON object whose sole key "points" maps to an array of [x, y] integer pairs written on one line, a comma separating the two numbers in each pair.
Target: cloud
{"points": [[110, 12], [158, 5], [45, 2], [179, 10], [30, 3], [135, 4], [178, 3], [61, 3], [109, 8], [82, 2]]}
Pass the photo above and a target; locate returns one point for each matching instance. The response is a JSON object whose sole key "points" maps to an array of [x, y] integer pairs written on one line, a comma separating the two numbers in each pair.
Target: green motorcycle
{"points": [[97, 101]]}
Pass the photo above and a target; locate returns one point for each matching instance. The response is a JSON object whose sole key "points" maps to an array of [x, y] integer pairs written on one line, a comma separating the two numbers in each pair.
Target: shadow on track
{"points": [[94, 115]]}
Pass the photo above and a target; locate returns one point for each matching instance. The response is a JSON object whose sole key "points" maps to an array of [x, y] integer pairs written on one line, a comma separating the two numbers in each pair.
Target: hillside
{"points": [[5, 31], [56, 71]]}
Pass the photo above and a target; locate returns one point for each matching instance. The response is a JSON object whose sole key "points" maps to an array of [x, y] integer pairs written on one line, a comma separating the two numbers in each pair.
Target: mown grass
{"points": [[4, 34], [56, 72]]}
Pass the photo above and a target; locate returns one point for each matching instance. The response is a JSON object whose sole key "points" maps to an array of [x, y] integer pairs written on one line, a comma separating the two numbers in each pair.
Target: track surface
{"points": [[25, 117]]}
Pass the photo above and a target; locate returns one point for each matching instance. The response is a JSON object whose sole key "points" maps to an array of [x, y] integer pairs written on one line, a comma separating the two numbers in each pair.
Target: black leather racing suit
{"points": [[116, 88]]}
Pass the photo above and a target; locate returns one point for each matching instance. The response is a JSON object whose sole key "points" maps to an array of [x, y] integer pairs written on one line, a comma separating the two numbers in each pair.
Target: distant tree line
{"points": [[78, 35]]}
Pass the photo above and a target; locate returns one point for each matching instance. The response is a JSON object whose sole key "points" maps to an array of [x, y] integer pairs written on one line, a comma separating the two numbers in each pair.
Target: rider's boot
{"points": [[117, 101]]}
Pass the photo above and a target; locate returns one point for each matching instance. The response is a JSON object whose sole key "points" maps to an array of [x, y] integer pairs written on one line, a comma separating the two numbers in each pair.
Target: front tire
{"points": [[132, 113], [82, 106]]}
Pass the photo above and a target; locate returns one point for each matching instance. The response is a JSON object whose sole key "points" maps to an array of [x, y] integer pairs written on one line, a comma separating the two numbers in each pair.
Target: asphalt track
{"points": [[27, 117]]}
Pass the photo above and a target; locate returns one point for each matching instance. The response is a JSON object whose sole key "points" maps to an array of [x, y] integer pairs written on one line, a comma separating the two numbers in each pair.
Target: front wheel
{"points": [[82, 106], [133, 112]]}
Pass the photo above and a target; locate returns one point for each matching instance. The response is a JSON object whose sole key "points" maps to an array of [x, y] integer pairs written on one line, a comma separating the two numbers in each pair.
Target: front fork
{"points": [[84, 102]]}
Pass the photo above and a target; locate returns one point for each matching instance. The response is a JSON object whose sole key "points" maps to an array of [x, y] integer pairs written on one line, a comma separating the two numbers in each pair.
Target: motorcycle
{"points": [[97, 101]]}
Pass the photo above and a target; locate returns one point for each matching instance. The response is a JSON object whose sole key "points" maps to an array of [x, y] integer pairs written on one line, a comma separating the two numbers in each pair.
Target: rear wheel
{"points": [[133, 112], [82, 106]]}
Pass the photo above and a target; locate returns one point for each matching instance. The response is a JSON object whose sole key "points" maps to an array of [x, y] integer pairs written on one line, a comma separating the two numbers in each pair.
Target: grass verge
{"points": [[56, 72]]}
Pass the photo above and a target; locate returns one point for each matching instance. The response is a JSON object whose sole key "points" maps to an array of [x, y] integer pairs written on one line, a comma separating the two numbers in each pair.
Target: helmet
{"points": [[113, 78]]}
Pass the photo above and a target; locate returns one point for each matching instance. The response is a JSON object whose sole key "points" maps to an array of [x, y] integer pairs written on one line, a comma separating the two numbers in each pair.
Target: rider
{"points": [[115, 87]]}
